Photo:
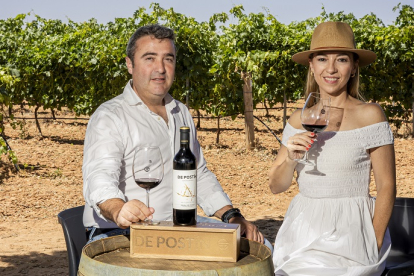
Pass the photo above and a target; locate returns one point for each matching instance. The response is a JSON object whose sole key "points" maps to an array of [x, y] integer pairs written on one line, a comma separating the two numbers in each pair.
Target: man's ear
{"points": [[129, 64]]}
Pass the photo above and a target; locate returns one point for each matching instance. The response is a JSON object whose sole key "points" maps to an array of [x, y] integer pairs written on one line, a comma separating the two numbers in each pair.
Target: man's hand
{"points": [[248, 228], [124, 214]]}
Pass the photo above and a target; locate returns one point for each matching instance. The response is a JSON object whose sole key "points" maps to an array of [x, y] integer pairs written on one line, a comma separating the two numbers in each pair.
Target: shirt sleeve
{"points": [[102, 161], [210, 194], [288, 132], [377, 135]]}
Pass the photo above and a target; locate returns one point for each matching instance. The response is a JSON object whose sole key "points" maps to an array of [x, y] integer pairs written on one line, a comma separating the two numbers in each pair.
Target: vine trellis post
{"points": [[248, 109]]}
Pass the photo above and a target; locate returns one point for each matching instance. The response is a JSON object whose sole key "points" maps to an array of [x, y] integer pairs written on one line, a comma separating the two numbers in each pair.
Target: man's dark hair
{"points": [[155, 30]]}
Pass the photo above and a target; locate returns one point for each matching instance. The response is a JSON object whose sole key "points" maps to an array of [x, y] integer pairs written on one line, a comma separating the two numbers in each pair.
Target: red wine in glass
{"points": [[148, 183], [148, 171], [314, 118], [314, 128]]}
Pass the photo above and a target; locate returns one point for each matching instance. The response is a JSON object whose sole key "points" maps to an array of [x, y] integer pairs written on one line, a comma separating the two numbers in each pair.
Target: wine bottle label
{"points": [[185, 189]]}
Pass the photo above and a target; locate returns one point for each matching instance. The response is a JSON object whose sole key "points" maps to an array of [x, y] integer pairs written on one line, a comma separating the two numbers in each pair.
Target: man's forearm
{"points": [[110, 208], [219, 213]]}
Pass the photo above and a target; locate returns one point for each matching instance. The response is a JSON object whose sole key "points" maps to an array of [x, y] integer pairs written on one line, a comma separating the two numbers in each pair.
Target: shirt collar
{"points": [[133, 99], [130, 96]]}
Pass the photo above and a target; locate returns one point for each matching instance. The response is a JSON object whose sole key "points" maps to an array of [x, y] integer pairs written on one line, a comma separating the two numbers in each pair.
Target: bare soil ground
{"points": [[31, 240]]}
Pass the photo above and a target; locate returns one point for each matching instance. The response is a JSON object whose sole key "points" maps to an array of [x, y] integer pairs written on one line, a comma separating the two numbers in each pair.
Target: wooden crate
{"points": [[203, 242]]}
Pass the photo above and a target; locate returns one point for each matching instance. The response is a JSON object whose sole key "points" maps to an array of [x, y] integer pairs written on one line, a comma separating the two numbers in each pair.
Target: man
{"points": [[144, 114]]}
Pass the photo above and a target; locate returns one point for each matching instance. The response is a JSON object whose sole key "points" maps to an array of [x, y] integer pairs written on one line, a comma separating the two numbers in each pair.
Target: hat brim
{"points": [[366, 57]]}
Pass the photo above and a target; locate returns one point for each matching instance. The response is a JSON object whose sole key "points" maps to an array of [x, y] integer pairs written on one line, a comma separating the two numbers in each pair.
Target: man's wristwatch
{"points": [[231, 213]]}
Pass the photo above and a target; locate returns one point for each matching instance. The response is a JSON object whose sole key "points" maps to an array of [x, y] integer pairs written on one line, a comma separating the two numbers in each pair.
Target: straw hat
{"points": [[334, 36]]}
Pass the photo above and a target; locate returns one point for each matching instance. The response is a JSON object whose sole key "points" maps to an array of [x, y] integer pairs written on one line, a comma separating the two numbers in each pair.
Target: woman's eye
{"points": [[321, 59]]}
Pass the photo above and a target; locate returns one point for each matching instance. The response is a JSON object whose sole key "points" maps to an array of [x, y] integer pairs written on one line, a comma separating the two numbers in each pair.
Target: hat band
{"points": [[322, 48]]}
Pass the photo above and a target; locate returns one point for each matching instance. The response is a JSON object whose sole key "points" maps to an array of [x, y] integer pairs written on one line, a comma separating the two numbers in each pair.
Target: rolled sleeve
{"points": [[211, 196], [102, 162], [211, 203]]}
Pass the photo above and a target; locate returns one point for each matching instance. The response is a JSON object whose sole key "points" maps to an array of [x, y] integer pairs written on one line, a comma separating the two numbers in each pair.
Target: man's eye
{"points": [[321, 59]]}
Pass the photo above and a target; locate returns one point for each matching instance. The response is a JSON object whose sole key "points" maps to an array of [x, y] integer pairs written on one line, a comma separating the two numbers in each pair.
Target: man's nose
{"points": [[160, 66]]}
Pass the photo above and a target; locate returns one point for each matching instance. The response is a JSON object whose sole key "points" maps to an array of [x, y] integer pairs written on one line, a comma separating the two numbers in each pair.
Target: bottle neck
{"points": [[185, 140], [184, 145]]}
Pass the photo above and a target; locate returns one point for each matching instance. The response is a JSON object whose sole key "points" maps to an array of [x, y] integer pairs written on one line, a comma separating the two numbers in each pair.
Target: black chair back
{"points": [[75, 235], [401, 226]]}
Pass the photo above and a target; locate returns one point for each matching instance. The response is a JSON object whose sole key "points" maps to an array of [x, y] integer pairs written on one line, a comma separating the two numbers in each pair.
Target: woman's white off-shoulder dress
{"points": [[327, 229]]}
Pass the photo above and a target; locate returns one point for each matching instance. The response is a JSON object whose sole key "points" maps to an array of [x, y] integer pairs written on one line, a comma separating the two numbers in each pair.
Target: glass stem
{"points": [[305, 157], [148, 190], [147, 219]]}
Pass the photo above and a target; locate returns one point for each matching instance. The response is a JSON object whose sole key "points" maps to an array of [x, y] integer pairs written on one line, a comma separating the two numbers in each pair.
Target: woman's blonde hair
{"points": [[352, 86]]}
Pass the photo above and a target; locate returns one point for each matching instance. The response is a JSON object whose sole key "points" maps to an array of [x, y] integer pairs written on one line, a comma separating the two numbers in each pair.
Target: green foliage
{"points": [[195, 44], [53, 64], [8, 78], [9, 153]]}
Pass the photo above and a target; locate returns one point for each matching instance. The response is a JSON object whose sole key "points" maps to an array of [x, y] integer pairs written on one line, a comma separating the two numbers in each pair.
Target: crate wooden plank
{"points": [[203, 242]]}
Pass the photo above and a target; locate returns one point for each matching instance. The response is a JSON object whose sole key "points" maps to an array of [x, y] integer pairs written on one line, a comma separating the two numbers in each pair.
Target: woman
{"points": [[330, 227]]}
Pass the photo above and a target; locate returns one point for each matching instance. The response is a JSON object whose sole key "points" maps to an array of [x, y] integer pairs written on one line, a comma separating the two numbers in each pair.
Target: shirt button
{"points": [[158, 118]]}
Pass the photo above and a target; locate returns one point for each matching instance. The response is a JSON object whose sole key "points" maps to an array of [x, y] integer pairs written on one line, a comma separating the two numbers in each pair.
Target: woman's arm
{"points": [[383, 165], [281, 172]]}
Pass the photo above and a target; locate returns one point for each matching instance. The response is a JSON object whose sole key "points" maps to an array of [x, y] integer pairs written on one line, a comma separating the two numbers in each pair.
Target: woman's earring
{"points": [[353, 75], [312, 73]]}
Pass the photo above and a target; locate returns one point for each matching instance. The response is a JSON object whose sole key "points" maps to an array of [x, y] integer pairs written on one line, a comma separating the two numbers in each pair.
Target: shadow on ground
{"points": [[6, 169], [61, 140], [269, 227], [35, 264]]}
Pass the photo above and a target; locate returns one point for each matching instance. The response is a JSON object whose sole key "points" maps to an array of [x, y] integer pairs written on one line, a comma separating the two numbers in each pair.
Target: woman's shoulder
{"points": [[294, 119], [373, 125], [366, 114]]}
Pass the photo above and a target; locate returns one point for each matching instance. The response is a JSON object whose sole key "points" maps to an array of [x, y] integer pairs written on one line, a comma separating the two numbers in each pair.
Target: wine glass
{"points": [[148, 170], [315, 118]]}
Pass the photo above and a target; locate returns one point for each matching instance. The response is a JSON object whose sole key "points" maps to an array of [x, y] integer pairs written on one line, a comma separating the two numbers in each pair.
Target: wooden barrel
{"points": [[110, 256]]}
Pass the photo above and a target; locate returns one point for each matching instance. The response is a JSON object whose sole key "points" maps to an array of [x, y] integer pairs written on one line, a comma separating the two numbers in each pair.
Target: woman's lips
{"points": [[330, 79]]}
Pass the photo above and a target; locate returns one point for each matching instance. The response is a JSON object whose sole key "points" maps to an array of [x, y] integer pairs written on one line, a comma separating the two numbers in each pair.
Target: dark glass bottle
{"points": [[184, 182]]}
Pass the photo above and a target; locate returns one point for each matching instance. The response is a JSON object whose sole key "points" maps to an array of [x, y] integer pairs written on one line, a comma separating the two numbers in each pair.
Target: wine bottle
{"points": [[184, 182]]}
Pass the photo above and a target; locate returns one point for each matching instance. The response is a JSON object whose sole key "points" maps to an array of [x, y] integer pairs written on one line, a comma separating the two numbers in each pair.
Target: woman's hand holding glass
{"points": [[314, 118], [300, 143]]}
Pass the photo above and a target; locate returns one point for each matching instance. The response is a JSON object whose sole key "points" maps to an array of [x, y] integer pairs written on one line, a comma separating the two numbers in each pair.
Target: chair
{"points": [[400, 261], [75, 235]]}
